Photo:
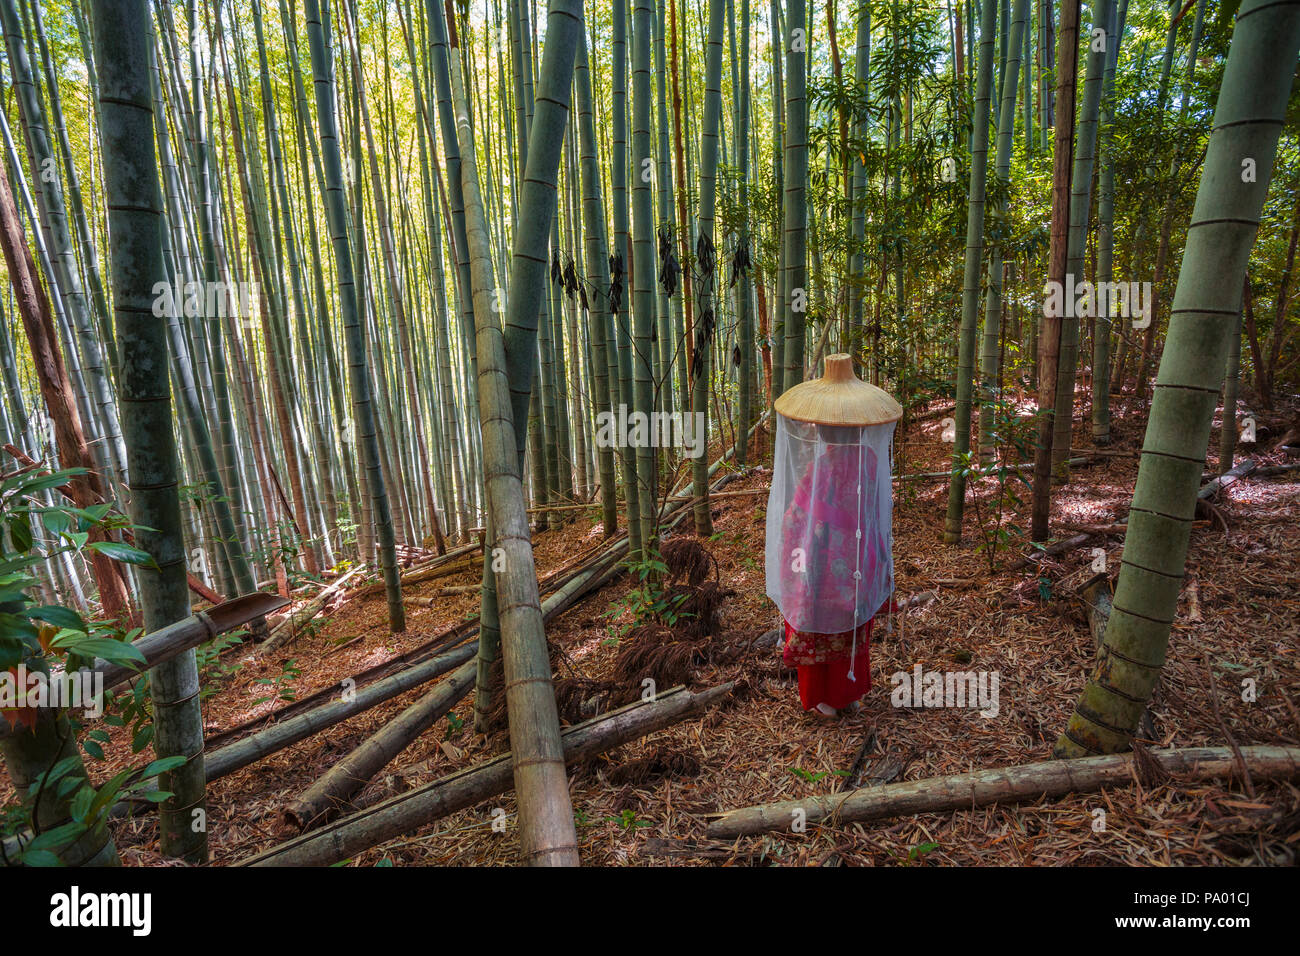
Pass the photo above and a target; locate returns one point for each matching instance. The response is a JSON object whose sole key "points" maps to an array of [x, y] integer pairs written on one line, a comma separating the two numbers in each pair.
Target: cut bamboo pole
{"points": [[349, 703], [291, 626], [1048, 778], [323, 800], [415, 808], [166, 642]]}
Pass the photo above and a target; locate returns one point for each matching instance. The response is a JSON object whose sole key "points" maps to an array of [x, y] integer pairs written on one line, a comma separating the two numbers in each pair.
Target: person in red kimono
{"points": [[827, 514]]}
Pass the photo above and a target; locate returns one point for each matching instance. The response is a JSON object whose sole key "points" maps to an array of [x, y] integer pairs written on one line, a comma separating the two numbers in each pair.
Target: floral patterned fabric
{"points": [[828, 559], [803, 649]]}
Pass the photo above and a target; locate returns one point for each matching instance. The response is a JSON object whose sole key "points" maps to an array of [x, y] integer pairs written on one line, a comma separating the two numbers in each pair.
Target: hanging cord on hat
{"points": [[889, 621], [857, 573]]}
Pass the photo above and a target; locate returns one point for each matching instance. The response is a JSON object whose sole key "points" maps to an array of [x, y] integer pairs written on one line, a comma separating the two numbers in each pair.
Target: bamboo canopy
{"points": [[839, 397]]}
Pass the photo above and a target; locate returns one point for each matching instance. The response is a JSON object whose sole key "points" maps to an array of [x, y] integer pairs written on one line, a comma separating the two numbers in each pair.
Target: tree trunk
{"points": [[1049, 330], [123, 34], [970, 296], [1247, 122]]}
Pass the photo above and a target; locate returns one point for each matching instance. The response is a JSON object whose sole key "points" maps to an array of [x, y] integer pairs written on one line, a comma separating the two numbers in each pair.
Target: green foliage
{"points": [[289, 673], [628, 820], [88, 809], [1012, 435], [27, 631], [647, 600], [211, 666]]}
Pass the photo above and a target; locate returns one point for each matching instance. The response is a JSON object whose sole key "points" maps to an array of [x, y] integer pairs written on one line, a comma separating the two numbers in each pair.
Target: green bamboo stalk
{"points": [[991, 353], [593, 213], [123, 36], [622, 257], [745, 284], [547, 834], [1105, 231], [795, 299], [971, 282], [706, 264], [1248, 119], [644, 271], [362, 406]]}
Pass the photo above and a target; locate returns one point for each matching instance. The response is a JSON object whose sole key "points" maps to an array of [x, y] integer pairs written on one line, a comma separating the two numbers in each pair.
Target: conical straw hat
{"points": [[839, 397]]}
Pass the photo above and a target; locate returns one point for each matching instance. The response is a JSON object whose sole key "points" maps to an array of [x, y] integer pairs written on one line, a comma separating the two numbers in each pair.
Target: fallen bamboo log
{"points": [[932, 414], [1272, 471], [1228, 478], [463, 564], [674, 499], [451, 637], [1105, 453], [323, 800], [167, 642], [408, 811], [290, 627], [349, 703], [930, 475], [1048, 778], [594, 575], [454, 591]]}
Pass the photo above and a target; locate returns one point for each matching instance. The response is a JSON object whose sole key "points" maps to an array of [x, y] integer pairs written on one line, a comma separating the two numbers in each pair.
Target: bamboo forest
{"points": [[653, 433]]}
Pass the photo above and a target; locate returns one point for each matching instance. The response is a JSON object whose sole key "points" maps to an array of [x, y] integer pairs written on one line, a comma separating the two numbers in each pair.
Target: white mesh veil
{"points": [[829, 561]]}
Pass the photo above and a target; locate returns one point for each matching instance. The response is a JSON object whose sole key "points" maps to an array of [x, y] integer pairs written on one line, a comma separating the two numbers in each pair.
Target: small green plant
{"points": [[1011, 436], [454, 725], [211, 666], [628, 820], [88, 809], [288, 674], [919, 852], [809, 776], [646, 600]]}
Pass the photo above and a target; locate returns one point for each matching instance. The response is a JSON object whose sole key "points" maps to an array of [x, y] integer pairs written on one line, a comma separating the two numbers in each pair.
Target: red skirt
{"points": [[824, 662]]}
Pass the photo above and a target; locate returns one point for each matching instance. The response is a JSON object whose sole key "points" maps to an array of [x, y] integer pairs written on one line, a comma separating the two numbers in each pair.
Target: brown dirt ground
{"points": [[1238, 614]]}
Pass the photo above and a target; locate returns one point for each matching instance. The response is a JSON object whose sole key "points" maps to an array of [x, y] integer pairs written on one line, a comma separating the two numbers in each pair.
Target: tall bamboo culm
{"points": [[547, 833], [1247, 122], [123, 35], [322, 68]]}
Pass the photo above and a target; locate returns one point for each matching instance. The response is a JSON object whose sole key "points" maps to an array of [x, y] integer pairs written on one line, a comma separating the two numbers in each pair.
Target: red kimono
{"points": [[834, 669]]}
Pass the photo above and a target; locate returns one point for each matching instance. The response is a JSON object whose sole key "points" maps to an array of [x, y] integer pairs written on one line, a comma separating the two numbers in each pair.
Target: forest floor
{"points": [[646, 802]]}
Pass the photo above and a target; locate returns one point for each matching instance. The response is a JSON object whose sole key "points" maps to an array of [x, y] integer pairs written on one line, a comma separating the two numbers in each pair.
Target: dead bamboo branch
{"points": [[415, 808], [325, 798], [1048, 778], [292, 625], [165, 643]]}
